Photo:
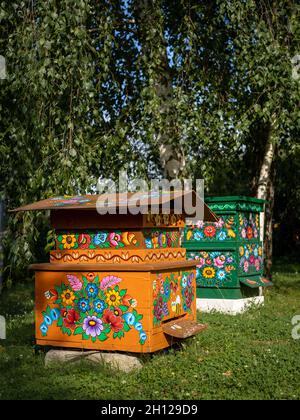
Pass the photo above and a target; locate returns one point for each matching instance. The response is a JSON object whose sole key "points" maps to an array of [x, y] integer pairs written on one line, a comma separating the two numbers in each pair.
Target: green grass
{"points": [[250, 356]]}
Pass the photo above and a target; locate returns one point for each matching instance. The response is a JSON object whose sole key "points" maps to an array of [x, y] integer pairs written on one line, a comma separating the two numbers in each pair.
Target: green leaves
{"points": [[78, 330]]}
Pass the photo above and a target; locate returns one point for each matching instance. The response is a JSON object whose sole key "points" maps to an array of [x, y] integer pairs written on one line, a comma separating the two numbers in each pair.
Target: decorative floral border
{"points": [[248, 225], [96, 240], [157, 239], [95, 256], [251, 258], [223, 230], [92, 308], [213, 268]]}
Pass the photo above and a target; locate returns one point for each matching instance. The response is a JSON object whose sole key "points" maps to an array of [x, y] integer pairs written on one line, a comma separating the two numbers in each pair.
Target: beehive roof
{"points": [[118, 200]]}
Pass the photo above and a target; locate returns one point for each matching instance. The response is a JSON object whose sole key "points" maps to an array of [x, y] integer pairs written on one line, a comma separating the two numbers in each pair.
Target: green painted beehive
{"points": [[230, 251]]}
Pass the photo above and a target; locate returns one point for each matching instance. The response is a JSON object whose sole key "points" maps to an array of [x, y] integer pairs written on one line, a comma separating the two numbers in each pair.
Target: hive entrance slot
{"points": [[176, 318]]}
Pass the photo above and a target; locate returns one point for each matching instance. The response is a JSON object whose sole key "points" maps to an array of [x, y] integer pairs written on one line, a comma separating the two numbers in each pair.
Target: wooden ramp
{"points": [[183, 328]]}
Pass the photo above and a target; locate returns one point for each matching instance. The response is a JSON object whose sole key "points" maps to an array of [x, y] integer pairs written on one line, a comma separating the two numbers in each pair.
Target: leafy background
{"points": [[94, 87]]}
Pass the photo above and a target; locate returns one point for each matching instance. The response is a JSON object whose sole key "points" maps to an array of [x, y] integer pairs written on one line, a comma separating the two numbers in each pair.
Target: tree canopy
{"points": [[94, 87]]}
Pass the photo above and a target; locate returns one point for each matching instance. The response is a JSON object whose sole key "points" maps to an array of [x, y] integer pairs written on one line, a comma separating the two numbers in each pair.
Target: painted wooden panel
{"points": [[110, 310], [101, 310]]}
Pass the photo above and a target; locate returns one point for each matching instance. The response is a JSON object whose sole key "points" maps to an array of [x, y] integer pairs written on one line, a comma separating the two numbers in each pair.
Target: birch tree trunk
{"points": [[151, 33], [266, 191]]}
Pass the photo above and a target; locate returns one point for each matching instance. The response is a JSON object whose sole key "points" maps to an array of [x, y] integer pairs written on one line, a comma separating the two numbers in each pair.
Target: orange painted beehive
{"points": [[115, 281]]}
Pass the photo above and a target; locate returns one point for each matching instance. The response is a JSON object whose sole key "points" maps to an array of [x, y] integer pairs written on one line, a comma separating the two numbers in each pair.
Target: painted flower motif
{"points": [[200, 224], [138, 326], [92, 326], [260, 251], [255, 233], [221, 274], [251, 259], [143, 337], [198, 235], [155, 288], [100, 238], [75, 283], [71, 318], [133, 303], [243, 233], [246, 266], [117, 312], [165, 309], [84, 305], [184, 281], [148, 243], [158, 311], [90, 276], [210, 231], [200, 261], [241, 251], [222, 235], [92, 290], [129, 318], [257, 264], [255, 252], [99, 306], [116, 322], [48, 320], [169, 241], [229, 260], [167, 290], [220, 261], [162, 240], [208, 261], [247, 254], [229, 268], [68, 241], [84, 241], [68, 297], [55, 314], [114, 239], [209, 273], [173, 287], [43, 329], [249, 232], [220, 223], [51, 295], [126, 300], [188, 299], [113, 298]]}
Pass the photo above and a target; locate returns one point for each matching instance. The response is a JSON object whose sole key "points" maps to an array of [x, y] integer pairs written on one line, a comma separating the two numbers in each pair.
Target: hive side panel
{"points": [[103, 311]]}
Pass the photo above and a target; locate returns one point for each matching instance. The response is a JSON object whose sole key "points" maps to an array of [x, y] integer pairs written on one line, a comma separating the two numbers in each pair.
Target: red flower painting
{"points": [[110, 318], [84, 241], [249, 232], [210, 231], [70, 319]]}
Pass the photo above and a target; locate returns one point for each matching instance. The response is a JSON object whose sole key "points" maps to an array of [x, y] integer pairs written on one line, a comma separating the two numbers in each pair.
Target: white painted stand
{"points": [[123, 362], [228, 306]]}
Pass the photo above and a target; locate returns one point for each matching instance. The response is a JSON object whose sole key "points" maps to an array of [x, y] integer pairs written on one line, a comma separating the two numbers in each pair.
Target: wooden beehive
{"points": [[230, 251], [114, 281]]}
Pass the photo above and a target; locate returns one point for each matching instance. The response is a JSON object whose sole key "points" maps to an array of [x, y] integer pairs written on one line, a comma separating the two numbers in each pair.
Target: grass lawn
{"points": [[250, 356]]}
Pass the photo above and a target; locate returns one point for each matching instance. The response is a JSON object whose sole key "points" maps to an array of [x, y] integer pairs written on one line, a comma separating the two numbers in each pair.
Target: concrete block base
{"points": [[123, 362], [228, 306]]}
